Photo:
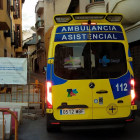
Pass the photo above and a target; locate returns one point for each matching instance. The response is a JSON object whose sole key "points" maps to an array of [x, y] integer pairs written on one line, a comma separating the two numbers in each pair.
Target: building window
{"points": [[90, 1], [5, 53], [1, 4]]}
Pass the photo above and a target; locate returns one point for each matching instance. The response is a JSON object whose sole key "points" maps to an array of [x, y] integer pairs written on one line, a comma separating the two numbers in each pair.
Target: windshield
{"points": [[104, 60]]}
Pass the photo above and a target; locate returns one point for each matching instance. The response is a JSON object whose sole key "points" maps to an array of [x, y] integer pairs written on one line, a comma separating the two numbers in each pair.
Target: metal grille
{"points": [[135, 53], [32, 93]]}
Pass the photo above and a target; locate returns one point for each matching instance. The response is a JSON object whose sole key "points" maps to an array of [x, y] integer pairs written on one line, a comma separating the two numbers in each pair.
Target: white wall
{"points": [[82, 4], [61, 6], [51, 8], [133, 35], [48, 14]]}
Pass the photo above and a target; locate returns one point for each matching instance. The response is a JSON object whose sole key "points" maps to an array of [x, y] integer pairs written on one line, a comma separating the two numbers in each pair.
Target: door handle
{"points": [[102, 91], [64, 104], [72, 106], [120, 101]]}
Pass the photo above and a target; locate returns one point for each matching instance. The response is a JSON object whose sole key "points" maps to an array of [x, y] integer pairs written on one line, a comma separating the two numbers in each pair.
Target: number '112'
{"points": [[122, 87]]}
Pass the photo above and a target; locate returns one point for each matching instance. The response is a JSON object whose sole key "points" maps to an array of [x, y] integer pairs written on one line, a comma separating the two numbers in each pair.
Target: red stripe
{"points": [[129, 120], [55, 123]]}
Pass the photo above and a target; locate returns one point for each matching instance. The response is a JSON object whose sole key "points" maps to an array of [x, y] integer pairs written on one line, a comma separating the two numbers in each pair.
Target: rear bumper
{"points": [[100, 123]]}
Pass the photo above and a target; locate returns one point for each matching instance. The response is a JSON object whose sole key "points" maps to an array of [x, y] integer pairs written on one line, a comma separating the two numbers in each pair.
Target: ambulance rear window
{"points": [[104, 60]]}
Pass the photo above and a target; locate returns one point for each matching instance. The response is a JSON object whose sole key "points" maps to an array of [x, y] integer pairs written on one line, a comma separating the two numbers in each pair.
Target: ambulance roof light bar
{"points": [[88, 17], [114, 18], [63, 19]]}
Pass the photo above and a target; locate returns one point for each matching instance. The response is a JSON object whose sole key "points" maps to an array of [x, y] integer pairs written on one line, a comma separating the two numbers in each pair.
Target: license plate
{"points": [[72, 111]]}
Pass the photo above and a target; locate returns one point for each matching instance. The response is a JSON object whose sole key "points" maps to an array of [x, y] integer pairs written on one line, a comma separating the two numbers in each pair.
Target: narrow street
{"points": [[39, 77], [36, 130], [73, 64]]}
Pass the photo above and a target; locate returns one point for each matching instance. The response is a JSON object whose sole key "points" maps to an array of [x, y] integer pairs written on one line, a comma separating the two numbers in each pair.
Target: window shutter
{"points": [[8, 7], [1, 4], [135, 53], [18, 33]]}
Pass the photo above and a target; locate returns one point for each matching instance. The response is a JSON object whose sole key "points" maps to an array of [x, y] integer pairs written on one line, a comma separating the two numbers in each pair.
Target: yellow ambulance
{"points": [[90, 79]]}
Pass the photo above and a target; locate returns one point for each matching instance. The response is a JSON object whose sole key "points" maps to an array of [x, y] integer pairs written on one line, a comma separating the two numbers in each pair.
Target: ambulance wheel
{"points": [[50, 129], [123, 129]]}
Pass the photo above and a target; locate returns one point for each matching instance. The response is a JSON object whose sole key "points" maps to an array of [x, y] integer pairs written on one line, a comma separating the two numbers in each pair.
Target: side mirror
{"points": [[130, 59]]}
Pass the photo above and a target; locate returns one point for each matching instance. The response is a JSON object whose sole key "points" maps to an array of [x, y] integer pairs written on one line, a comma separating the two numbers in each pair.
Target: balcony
{"points": [[5, 23], [129, 8], [96, 7], [7, 33], [39, 25], [39, 7], [15, 14], [12, 5], [118, 6], [40, 46], [15, 40]]}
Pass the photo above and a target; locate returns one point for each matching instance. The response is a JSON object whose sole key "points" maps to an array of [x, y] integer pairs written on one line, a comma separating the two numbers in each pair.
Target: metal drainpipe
{"points": [[54, 6], [116, 5]]}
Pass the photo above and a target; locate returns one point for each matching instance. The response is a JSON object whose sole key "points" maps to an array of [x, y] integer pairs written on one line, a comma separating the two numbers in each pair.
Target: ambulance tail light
{"points": [[133, 95], [49, 95], [114, 18]]}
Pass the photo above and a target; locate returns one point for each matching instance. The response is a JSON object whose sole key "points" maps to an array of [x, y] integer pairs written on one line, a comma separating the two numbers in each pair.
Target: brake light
{"points": [[49, 95], [86, 23], [92, 23], [133, 96]]}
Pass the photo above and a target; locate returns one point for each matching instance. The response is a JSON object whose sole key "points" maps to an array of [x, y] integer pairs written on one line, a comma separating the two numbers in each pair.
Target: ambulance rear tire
{"points": [[123, 129], [50, 129]]}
